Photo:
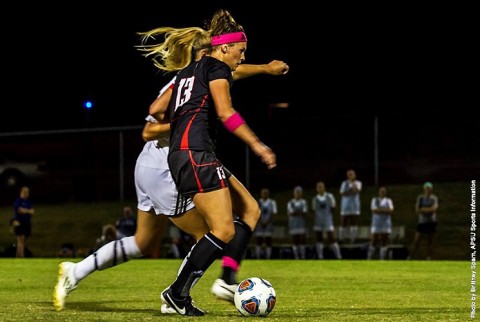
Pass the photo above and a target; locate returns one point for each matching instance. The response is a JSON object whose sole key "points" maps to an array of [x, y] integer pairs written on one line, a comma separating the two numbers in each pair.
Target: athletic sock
{"points": [[199, 259], [341, 233], [371, 251], [112, 254], [295, 252], [235, 251], [383, 252], [268, 252], [336, 250], [303, 252], [319, 247], [258, 251], [353, 233]]}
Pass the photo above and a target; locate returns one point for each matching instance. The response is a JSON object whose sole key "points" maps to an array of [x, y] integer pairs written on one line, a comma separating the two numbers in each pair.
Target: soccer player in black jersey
{"points": [[201, 97]]}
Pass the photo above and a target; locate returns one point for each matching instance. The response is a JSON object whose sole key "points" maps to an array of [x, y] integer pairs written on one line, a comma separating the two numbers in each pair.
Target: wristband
{"points": [[234, 121]]}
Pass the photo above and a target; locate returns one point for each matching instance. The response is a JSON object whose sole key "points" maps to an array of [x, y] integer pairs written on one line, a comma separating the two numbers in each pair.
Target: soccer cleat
{"points": [[181, 306], [165, 308], [223, 290], [66, 283]]}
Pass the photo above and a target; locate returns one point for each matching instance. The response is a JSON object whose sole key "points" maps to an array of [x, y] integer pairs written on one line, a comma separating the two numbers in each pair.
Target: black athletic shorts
{"points": [[197, 171], [426, 228], [23, 229]]}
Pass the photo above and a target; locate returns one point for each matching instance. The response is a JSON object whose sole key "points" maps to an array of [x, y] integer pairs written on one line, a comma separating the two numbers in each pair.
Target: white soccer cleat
{"points": [[223, 290], [182, 306], [66, 283], [165, 308]]}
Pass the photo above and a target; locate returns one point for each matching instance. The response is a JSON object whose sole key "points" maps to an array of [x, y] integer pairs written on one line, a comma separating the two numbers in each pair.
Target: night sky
{"points": [[344, 60]]}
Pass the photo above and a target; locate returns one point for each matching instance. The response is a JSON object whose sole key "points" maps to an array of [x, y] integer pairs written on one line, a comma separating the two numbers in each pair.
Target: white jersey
{"points": [[322, 206], [153, 181], [297, 211], [350, 203], [154, 154], [268, 209], [381, 220]]}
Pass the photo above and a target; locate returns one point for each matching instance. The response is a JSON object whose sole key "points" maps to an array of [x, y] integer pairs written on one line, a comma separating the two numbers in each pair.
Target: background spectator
{"points": [[297, 222], [22, 220], [109, 233], [323, 207], [381, 227], [350, 206], [127, 224], [426, 207], [67, 250], [264, 229]]}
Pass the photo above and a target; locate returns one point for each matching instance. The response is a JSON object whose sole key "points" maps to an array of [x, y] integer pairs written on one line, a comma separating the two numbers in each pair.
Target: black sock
{"points": [[202, 255], [235, 250]]}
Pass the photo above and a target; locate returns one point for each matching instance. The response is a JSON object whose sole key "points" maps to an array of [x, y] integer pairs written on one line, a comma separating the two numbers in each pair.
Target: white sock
{"points": [[303, 251], [353, 233], [269, 252], [295, 251], [258, 252], [371, 251], [336, 250], [175, 251], [319, 247], [341, 233], [114, 253], [383, 252]]}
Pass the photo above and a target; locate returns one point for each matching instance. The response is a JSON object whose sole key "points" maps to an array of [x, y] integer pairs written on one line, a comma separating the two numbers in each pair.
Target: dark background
{"points": [[344, 59], [409, 66]]}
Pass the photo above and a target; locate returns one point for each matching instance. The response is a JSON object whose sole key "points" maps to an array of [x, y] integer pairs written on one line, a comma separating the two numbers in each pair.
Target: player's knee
{"points": [[225, 234], [253, 212]]}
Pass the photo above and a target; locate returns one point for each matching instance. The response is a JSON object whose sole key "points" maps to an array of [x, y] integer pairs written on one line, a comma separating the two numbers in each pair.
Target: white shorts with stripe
{"points": [[155, 189]]}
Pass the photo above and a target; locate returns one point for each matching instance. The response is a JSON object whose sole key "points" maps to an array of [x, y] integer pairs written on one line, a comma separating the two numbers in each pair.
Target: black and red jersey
{"points": [[194, 120]]}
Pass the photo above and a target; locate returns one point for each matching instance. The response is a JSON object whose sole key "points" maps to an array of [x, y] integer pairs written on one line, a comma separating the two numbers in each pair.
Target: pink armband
{"points": [[234, 121]]}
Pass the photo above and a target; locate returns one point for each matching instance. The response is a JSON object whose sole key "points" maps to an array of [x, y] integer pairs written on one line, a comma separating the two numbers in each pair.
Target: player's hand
{"points": [[265, 153], [277, 67]]}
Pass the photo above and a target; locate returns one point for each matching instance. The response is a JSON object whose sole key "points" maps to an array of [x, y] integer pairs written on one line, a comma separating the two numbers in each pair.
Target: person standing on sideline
{"points": [[22, 220], [264, 229], [323, 207], [350, 206], [381, 228], [297, 222], [127, 224], [426, 207]]}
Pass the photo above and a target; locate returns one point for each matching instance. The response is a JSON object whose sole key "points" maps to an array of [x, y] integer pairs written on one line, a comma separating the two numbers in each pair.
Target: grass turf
{"points": [[308, 290]]}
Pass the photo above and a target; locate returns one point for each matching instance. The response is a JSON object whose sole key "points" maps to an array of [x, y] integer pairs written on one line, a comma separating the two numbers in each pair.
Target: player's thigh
{"points": [[150, 230], [216, 207]]}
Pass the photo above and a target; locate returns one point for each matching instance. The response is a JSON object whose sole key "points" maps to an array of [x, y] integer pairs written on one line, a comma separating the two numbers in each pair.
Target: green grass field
{"points": [[306, 291]]}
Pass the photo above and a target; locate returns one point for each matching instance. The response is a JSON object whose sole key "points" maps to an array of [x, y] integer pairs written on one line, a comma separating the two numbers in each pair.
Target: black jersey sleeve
{"points": [[217, 70]]}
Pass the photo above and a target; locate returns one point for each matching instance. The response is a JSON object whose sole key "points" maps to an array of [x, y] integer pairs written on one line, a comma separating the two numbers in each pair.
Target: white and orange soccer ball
{"points": [[255, 296]]}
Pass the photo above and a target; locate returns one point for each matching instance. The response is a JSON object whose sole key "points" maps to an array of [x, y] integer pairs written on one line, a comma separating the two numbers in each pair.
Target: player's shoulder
{"points": [[215, 65]]}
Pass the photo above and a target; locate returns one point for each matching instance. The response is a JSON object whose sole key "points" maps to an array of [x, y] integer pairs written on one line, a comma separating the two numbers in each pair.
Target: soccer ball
{"points": [[255, 296]]}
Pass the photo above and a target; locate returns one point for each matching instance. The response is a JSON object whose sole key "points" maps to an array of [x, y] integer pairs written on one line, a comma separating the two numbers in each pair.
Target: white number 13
{"points": [[185, 91]]}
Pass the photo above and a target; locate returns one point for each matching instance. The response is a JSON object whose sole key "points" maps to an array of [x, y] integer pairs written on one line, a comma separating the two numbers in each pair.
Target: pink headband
{"points": [[229, 38]]}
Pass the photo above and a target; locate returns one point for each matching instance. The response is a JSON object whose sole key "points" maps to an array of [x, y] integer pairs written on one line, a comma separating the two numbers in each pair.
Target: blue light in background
{"points": [[88, 104]]}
